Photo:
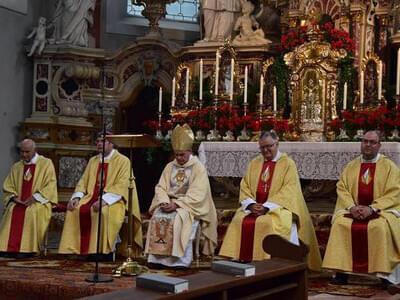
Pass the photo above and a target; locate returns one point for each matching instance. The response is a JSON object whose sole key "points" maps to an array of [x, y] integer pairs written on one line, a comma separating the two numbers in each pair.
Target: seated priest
{"points": [[365, 233], [182, 204], [79, 234], [30, 190], [271, 202]]}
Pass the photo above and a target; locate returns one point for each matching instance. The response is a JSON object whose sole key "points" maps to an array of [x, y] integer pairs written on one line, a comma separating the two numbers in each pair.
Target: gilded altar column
{"points": [[357, 25]]}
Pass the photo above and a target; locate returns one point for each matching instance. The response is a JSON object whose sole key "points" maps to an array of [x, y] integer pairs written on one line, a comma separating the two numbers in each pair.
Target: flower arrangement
{"points": [[338, 39]]}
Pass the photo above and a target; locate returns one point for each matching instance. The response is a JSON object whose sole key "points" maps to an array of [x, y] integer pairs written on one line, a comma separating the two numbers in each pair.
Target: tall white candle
{"points": [[345, 96], [361, 87], [173, 92], [274, 103], [216, 72], [380, 81], [160, 100], [187, 87], [231, 81], [245, 85], [398, 73], [261, 89], [201, 80]]}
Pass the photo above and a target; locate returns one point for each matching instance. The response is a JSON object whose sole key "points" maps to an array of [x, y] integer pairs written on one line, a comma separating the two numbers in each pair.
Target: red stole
{"points": [[249, 222], [18, 214], [85, 220], [359, 228]]}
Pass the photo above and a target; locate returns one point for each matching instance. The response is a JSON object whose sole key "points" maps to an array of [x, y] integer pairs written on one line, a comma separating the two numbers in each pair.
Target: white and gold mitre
{"points": [[182, 138]]}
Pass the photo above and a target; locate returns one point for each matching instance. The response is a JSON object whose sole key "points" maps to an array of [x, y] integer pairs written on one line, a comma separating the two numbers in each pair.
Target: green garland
{"points": [[346, 74], [281, 72]]}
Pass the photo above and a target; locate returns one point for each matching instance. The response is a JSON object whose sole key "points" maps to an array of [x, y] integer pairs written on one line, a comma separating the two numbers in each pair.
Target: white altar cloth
{"points": [[324, 160]]}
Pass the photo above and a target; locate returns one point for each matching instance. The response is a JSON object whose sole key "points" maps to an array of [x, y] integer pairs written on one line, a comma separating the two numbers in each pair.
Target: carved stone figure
{"points": [[39, 41], [245, 25], [73, 18], [219, 17]]}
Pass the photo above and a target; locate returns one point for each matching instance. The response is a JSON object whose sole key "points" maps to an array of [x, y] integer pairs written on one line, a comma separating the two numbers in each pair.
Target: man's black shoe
{"points": [[340, 279], [385, 283]]}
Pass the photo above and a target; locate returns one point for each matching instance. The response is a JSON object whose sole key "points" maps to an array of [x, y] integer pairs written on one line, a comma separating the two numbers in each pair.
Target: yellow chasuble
{"points": [[194, 203], [117, 182], [37, 216], [383, 232], [285, 191]]}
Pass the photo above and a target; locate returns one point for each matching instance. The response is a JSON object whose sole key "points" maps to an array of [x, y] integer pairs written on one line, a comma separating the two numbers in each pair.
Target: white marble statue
{"points": [[219, 18], [249, 29], [73, 18], [39, 34]]}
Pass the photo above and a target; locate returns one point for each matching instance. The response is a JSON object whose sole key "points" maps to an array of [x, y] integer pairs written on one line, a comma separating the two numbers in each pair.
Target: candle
{"points": [[216, 73], [231, 82], [398, 73], [187, 87], [380, 81], [361, 87], [173, 92], [261, 89], [201, 80], [345, 96], [160, 100], [274, 99], [245, 85]]}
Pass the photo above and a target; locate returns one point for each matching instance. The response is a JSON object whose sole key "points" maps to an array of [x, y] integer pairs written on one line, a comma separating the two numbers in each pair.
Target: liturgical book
{"points": [[162, 283], [234, 268]]}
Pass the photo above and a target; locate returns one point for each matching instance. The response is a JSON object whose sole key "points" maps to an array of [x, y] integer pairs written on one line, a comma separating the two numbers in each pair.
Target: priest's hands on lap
{"points": [[29, 201], [257, 209], [361, 212], [168, 207], [96, 205], [72, 204]]}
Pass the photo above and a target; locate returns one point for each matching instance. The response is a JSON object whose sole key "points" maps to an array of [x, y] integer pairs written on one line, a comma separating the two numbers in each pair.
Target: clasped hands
{"points": [[361, 212], [29, 201], [168, 207], [257, 209], [73, 203]]}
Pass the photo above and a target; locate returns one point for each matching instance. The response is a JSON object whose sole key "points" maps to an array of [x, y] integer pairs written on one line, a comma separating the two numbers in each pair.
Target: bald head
{"points": [[27, 150]]}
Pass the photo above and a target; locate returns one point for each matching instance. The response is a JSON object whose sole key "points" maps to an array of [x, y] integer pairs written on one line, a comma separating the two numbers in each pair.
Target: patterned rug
{"points": [[358, 287]]}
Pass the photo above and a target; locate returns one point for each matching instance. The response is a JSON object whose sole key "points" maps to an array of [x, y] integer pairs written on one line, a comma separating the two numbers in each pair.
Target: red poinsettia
{"points": [[338, 39]]}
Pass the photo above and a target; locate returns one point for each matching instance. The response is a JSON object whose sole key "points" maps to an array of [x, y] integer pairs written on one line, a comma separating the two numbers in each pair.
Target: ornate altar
{"points": [[313, 83]]}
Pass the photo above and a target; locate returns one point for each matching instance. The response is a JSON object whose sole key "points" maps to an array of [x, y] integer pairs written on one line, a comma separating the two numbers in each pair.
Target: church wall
{"points": [[15, 80]]}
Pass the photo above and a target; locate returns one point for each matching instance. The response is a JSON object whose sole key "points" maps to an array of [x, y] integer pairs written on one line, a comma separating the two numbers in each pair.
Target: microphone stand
{"points": [[96, 277]]}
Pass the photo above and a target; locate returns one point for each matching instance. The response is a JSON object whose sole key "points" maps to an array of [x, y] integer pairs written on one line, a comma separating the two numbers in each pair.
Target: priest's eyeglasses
{"points": [[269, 146], [370, 142]]}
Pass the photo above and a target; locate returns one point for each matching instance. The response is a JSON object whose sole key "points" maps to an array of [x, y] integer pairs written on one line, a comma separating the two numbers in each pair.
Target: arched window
{"points": [[181, 10]]}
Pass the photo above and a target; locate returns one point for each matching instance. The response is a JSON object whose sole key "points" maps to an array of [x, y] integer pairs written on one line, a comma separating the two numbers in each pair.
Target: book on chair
{"points": [[234, 268], [162, 283]]}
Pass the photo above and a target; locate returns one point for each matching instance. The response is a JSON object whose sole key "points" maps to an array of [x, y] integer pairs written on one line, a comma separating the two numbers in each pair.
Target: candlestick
{"points": [[345, 96], [160, 100], [361, 87], [173, 92], [201, 80], [231, 82], [187, 87], [261, 89], [380, 75], [274, 99], [398, 73], [216, 73], [245, 85]]}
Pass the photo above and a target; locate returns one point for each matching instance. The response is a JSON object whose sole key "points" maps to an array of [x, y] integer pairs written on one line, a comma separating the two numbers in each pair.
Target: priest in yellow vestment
{"points": [[365, 233], [30, 190], [182, 204], [79, 234], [271, 203]]}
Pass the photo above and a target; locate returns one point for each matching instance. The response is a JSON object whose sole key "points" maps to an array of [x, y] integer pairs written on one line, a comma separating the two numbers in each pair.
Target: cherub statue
{"points": [[245, 24], [40, 37]]}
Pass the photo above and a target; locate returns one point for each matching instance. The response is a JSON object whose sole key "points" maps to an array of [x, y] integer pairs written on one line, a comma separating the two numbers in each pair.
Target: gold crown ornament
{"points": [[182, 138]]}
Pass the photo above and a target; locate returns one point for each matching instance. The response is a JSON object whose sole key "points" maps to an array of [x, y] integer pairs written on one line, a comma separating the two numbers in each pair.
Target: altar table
{"points": [[323, 160]]}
